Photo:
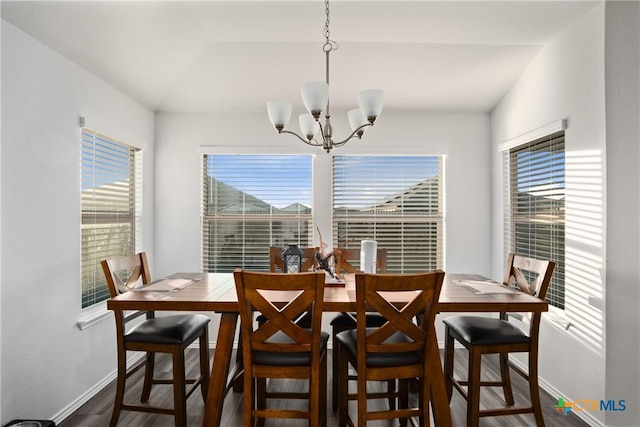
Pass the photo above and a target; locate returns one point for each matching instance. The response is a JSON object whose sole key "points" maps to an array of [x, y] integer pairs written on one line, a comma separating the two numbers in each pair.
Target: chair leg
{"points": [[362, 400], [448, 363], [204, 364], [425, 399], [260, 398], [120, 385], [148, 377], [403, 399], [248, 399], [323, 391], [534, 389], [179, 400], [473, 390], [335, 353], [343, 389], [506, 379]]}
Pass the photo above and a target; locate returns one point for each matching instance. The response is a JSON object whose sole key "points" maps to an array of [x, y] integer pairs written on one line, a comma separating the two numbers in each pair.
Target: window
{"points": [[251, 202], [111, 208], [396, 200], [535, 205]]}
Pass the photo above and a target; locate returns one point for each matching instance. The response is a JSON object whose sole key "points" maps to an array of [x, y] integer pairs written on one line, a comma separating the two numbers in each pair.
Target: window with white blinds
{"points": [[535, 206], [251, 202], [111, 208], [397, 201]]}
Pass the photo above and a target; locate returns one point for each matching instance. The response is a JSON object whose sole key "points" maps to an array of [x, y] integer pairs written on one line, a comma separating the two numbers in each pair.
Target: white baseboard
{"points": [[86, 396]]}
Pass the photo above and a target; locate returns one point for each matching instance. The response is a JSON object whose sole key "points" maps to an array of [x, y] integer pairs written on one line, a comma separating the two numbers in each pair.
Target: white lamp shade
{"points": [[315, 96], [279, 113], [308, 125], [370, 102], [357, 119]]}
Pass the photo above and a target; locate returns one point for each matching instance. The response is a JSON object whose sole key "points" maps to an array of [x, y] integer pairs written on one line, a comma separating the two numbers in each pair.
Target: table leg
{"points": [[220, 370], [439, 401]]}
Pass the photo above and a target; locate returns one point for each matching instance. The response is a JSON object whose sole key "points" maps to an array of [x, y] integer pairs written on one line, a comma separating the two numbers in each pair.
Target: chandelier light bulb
{"points": [[315, 96], [279, 113], [308, 125], [370, 102]]}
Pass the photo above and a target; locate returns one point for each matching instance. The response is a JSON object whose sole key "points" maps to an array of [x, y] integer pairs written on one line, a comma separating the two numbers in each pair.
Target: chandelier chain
{"points": [[329, 44]]}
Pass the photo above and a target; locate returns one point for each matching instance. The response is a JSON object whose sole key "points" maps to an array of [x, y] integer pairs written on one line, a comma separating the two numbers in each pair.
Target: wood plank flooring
{"points": [[97, 412]]}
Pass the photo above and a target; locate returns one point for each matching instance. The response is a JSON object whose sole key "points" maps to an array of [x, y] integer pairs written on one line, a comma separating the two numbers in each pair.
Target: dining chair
{"points": [[510, 333], [280, 347], [395, 350], [167, 334], [345, 258]]}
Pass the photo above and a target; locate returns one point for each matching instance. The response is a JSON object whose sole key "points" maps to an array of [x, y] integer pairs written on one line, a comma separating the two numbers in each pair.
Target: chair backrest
{"points": [[276, 263], [345, 258], [531, 276], [304, 293], [374, 291], [125, 273]]}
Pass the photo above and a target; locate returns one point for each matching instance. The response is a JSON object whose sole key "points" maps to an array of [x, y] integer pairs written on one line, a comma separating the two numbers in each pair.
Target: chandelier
{"points": [[315, 96]]}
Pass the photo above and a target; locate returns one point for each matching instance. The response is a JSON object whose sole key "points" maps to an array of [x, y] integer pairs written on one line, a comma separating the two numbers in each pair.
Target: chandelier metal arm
{"points": [[306, 141], [353, 134]]}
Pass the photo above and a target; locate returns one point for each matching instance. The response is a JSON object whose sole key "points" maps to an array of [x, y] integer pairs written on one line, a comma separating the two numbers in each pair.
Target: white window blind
{"points": [[111, 208], [251, 202], [396, 200], [535, 205]]}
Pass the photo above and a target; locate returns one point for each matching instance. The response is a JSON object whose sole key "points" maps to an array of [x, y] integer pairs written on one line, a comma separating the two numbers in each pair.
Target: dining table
{"points": [[215, 292]]}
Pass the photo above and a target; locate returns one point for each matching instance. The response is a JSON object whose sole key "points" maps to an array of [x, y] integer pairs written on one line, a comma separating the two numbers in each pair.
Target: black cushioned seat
{"points": [[477, 330], [346, 320], [287, 359], [175, 329], [349, 339]]}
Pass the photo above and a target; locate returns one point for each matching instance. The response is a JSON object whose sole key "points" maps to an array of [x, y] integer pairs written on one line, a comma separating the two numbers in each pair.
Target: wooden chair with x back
{"points": [[484, 335], [167, 334], [396, 350], [280, 347]]}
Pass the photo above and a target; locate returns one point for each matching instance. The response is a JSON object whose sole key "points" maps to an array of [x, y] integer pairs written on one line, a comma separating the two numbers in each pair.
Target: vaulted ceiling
{"points": [[234, 56]]}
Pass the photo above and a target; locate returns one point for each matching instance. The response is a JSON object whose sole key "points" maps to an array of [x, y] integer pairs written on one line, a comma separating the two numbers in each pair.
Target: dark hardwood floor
{"points": [[97, 412]]}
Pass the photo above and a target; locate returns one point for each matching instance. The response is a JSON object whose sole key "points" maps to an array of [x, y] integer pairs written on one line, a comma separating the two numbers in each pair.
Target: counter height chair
{"points": [[483, 335], [345, 258], [397, 350], [166, 334], [280, 347]]}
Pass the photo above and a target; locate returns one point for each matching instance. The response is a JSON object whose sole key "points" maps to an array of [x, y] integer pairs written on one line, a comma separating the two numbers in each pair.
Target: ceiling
{"points": [[234, 56]]}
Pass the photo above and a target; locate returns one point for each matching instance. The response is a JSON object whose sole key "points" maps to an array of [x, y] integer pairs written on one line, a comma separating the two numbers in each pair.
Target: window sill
{"points": [[93, 316], [557, 318]]}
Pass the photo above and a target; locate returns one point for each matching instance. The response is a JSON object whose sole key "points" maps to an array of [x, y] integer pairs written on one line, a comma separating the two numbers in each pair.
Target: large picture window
{"points": [[535, 206], [396, 200], [111, 208], [251, 202]]}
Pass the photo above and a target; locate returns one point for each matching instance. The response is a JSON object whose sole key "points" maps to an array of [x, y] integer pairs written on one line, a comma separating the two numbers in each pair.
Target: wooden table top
{"points": [[216, 292]]}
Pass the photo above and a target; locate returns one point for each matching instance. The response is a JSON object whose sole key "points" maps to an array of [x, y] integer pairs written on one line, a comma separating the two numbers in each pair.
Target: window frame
{"points": [[550, 137], [95, 209], [256, 257], [398, 259]]}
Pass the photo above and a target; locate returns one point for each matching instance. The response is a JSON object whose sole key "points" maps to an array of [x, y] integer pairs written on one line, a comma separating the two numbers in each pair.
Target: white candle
{"points": [[368, 251]]}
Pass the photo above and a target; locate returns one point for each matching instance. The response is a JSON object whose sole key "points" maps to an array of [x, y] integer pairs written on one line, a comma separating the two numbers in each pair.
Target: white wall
{"points": [[622, 80], [567, 81], [47, 362], [463, 138]]}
